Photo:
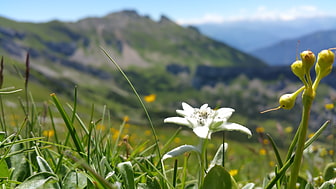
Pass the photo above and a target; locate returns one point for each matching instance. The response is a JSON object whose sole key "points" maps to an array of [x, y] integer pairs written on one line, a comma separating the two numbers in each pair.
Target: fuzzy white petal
{"points": [[234, 127], [202, 132], [204, 106], [180, 150], [177, 120], [182, 113], [224, 112], [187, 108]]}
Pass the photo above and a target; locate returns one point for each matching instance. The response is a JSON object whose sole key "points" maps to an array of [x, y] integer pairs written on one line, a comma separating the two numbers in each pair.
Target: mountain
{"points": [[249, 36], [284, 52], [177, 64], [158, 56], [133, 39]]}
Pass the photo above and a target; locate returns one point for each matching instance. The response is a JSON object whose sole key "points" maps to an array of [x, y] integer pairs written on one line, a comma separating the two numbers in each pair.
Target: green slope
{"points": [[65, 55]]}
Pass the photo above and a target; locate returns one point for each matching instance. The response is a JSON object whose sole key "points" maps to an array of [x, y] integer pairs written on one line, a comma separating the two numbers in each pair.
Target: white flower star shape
{"points": [[204, 121]]}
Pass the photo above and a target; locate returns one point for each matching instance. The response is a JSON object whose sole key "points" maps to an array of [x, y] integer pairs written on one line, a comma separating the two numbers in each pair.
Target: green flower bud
{"points": [[325, 59], [308, 60], [297, 69], [287, 101]]}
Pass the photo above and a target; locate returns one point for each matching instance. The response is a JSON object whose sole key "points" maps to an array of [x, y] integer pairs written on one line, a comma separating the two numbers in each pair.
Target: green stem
{"points": [[223, 159], [202, 157], [307, 99]]}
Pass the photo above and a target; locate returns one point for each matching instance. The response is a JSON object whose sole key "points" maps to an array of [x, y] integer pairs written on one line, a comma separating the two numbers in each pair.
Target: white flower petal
{"points": [[204, 106], [182, 113], [233, 127], [187, 108], [177, 120], [192, 122], [180, 150], [202, 132], [224, 112], [204, 121]]}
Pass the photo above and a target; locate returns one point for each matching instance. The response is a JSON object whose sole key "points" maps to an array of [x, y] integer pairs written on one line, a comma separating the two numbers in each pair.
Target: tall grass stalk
{"points": [[139, 98], [2, 118]]}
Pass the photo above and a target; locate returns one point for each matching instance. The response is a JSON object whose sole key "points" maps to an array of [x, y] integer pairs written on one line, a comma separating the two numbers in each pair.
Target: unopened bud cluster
{"points": [[301, 68]]}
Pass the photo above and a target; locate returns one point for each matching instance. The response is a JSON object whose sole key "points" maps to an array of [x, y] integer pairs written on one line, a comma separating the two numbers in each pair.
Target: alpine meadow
{"points": [[123, 101]]}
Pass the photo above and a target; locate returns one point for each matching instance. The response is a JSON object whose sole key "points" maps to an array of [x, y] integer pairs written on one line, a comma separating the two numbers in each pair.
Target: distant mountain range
{"points": [[284, 52], [275, 42], [134, 40], [159, 57]]}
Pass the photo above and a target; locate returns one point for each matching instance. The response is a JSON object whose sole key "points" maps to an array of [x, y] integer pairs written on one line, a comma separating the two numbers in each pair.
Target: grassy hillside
{"points": [[68, 55], [65, 55]]}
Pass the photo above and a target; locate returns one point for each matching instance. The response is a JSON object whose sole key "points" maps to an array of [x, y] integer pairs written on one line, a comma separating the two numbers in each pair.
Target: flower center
{"points": [[201, 115]]}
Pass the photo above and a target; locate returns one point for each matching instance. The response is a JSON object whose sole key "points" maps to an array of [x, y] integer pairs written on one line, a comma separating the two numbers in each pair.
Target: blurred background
{"points": [[227, 54]]}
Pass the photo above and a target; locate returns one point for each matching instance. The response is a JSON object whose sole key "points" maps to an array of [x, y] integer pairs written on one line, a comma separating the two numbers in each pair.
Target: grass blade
{"points": [[69, 125], [275, 148], [139, 98]]}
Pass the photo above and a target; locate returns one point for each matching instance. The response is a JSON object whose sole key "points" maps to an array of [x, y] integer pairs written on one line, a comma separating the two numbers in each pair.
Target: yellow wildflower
{"points": [[271, 163], [331, 152], [148, 132], [260, 129], [48, 133], [262, 151], [150, 98], [289, 129], [266, 141], [101, 127], [126, 119], [233, 172], [115, 133], [323, 152], [177, 140], [329, 106]]}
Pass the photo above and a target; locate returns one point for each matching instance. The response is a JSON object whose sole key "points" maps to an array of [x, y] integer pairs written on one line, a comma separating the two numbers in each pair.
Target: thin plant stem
{"points": [[307, 100], [223, 157], [2, 118], [139, 98], [202, 157], [184, 172]]}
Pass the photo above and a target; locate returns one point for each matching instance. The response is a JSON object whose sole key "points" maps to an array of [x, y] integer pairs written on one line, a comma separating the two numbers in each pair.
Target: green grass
{"points": [[59, 142]]}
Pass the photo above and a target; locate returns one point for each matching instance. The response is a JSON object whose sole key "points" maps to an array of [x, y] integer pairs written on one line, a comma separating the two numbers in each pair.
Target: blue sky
{"points": [[181, 11]]}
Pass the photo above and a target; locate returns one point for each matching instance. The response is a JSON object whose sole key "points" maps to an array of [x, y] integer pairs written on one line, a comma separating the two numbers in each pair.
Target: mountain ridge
{"points": [[249, 36], [65, 54], [134, 40], [284, 52]]}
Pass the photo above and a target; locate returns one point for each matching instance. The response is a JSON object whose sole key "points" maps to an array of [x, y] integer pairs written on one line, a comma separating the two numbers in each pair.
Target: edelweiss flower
{"points": [[204, 121]]}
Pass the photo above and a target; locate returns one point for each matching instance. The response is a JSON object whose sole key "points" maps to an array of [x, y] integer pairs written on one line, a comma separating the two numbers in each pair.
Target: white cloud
{"points": [[207, 18], [262, 13]]}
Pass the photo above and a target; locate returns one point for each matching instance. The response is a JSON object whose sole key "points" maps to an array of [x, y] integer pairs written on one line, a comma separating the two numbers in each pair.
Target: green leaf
{"points": [[218, 159], [249, 186], [39, 181], [4, 172], [329, 171], [309, 186], [43, 165], [179, 151], [69, 125], [75, 180], [275, 149], [218, 177], [153, 183], [127, 173], [19, 163], [327, 185], [2, 135]]}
